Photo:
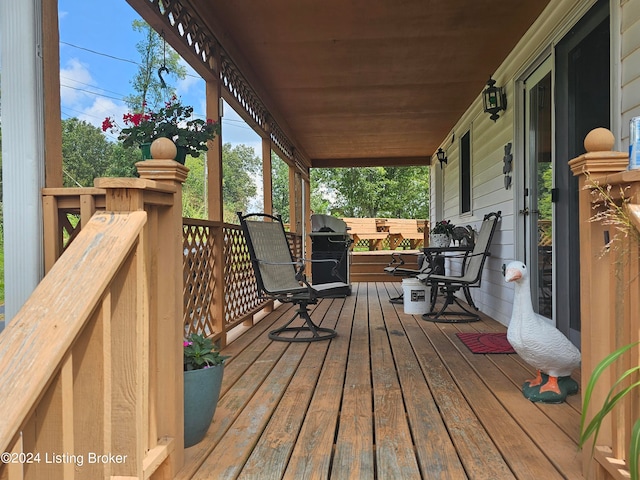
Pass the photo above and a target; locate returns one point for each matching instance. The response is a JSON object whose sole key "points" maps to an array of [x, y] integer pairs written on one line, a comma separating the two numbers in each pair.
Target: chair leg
{"points": [[398, 299], [467, 295], [316, 332], [447, 316]]}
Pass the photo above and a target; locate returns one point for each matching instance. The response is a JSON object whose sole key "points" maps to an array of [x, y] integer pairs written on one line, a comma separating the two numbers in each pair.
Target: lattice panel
{"points": [[295, 244], [199, 284], [69, 224], [280, 139], [238, 87], [241, 293]]}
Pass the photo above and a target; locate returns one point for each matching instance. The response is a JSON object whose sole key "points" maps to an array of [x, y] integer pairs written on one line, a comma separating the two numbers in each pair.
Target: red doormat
{"points": [[486, 342]]}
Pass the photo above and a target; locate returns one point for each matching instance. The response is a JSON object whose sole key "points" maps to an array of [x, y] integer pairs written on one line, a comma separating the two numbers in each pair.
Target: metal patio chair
{"points": [[397, 268], [473, 263], [280, 276]]}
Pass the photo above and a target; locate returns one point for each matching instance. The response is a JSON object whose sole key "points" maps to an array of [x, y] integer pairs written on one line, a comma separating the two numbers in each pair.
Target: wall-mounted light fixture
{"points": [[441, 156], [494, 99]]}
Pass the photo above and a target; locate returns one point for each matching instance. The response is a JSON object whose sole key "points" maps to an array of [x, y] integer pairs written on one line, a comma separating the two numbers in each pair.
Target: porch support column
{"points": [[306, 209], [22, 148], [215, 200], [596, 296], [293, 218], [267, 181]]}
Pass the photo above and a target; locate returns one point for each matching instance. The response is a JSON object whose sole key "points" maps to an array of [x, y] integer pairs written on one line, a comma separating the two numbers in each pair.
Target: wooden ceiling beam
{"points": [[371, 162]]}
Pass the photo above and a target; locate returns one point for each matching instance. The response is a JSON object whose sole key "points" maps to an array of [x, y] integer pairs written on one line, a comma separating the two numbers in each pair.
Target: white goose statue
{"points": [[540, 344]]}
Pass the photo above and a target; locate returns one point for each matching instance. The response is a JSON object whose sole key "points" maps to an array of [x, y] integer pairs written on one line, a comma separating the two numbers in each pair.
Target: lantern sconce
{"points": [[442, 157], [494, 99]]}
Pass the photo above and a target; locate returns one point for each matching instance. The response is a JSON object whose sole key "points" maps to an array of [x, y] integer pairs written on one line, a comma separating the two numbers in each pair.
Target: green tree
{"points": [[280, 187], [154, 54], [194, 203], [240, 165], [122, 161], [86, 153], [401, 192]]}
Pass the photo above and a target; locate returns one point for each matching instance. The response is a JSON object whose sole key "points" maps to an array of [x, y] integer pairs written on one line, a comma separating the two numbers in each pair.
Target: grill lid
{"points": [[328, 225]]}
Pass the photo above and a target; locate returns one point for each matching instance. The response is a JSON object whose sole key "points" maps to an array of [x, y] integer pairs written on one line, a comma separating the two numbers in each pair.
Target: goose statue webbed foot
{"points": [[551, 390]]}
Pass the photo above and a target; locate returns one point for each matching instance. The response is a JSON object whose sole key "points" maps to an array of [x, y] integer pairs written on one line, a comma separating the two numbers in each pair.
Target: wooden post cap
{"points": [[163, 149], [599, 159], [597, 140]]}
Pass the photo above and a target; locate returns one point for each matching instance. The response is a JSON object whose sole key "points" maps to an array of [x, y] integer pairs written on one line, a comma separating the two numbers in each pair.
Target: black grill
{"points": [[330, 240]]}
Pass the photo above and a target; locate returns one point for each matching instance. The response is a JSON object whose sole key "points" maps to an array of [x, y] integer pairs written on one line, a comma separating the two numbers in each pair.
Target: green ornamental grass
{"points": [[613, 397]]}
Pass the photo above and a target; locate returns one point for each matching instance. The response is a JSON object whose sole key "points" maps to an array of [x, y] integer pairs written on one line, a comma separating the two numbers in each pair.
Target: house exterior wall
{"points": [[488, 138]]}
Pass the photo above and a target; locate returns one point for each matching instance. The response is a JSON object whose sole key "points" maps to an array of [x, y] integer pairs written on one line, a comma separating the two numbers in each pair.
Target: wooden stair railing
{"points": [[90, 368], [609, 297]]}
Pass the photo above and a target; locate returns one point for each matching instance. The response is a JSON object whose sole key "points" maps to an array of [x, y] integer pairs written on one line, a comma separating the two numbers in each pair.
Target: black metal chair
{"points": [[280, 276], [397, 269], [473, 263]]}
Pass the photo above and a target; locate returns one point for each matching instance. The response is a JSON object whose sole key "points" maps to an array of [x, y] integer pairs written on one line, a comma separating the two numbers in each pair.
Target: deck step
{"points": [[369, 266]]}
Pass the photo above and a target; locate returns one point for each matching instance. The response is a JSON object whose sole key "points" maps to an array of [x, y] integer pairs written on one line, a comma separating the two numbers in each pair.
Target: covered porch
{"points": [[392, 393], [392, 396]]}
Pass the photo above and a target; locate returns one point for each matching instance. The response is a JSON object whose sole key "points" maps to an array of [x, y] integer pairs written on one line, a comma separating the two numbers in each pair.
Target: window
{"points": [[465, 173]]}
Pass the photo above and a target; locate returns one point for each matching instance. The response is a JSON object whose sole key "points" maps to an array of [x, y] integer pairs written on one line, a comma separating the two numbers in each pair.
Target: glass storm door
{"points": [[538, 211]]}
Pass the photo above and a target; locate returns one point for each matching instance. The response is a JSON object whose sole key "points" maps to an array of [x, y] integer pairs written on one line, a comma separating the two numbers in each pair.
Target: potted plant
{"points": [[174, 121], [440, 235], [203, 371]]}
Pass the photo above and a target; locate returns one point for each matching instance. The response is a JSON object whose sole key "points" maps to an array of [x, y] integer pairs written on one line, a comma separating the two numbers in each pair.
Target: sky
{"points": [[98, 60]]}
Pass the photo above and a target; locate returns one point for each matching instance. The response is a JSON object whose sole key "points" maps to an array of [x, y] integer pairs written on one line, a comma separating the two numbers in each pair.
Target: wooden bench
{"points": [[366, 229], [404, 229]]}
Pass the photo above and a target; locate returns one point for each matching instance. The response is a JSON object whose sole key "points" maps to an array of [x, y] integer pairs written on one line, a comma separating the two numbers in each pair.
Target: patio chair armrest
{"points": [[334, 269], [298, 263]]}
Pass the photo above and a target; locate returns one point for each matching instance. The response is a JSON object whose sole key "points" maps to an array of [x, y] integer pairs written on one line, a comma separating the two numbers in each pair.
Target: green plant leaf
{"points": [[634, 450], [600, 368], [610, 402]]}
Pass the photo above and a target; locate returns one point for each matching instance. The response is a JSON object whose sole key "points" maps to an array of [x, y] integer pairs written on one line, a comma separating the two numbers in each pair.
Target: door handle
{"points": [[524, 211]]}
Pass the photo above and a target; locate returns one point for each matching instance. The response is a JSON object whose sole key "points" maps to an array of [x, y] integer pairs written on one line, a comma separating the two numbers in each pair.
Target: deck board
{"points": [[392, 396]]}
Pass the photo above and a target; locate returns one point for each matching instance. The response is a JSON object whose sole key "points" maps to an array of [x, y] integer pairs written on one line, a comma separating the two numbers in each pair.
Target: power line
{"points": [[90, 85], [92, 93], [113, 57], [99, 53]]}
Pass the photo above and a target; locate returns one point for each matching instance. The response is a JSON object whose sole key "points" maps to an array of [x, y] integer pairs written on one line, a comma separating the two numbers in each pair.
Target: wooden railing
{"points": [[65, 212], [219, 289], [610, 295], [91, 374]]}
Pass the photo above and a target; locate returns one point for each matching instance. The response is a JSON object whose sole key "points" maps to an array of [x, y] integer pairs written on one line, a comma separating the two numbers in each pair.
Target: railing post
{"points": [[159, 192], [596, 296], [168, 311]]}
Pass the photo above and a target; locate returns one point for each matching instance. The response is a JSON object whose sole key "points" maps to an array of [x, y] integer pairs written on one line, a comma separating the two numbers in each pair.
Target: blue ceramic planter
{"points": [[201, 392]]}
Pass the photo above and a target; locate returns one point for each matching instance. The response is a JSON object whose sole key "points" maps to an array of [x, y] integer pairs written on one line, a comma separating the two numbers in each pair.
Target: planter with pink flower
{"points": [[173, 121], [203, 372]]}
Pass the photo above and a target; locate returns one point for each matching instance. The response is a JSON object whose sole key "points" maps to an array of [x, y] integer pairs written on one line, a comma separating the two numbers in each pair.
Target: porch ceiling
{"points": [[355, 82]]}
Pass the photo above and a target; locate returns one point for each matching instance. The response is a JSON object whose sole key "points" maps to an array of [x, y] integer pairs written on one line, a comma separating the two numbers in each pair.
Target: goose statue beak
{"points": [[512, 274]]}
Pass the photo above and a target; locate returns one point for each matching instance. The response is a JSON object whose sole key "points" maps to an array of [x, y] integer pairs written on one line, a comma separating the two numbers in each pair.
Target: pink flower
{"points": [[107, 124]]}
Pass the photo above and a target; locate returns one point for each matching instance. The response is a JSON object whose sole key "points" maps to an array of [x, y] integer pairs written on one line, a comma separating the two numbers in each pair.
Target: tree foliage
{"points": [[194, 202], [86, 152], [154, 54], [240, 166], [280, 187], [396, 192]]}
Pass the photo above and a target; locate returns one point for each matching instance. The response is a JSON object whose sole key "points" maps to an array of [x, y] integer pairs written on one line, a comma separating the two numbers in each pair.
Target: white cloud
{"points": [[74, 80]]}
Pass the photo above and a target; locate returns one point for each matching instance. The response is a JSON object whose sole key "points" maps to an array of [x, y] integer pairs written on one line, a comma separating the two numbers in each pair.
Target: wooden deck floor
{"points": [[393, 396]]}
